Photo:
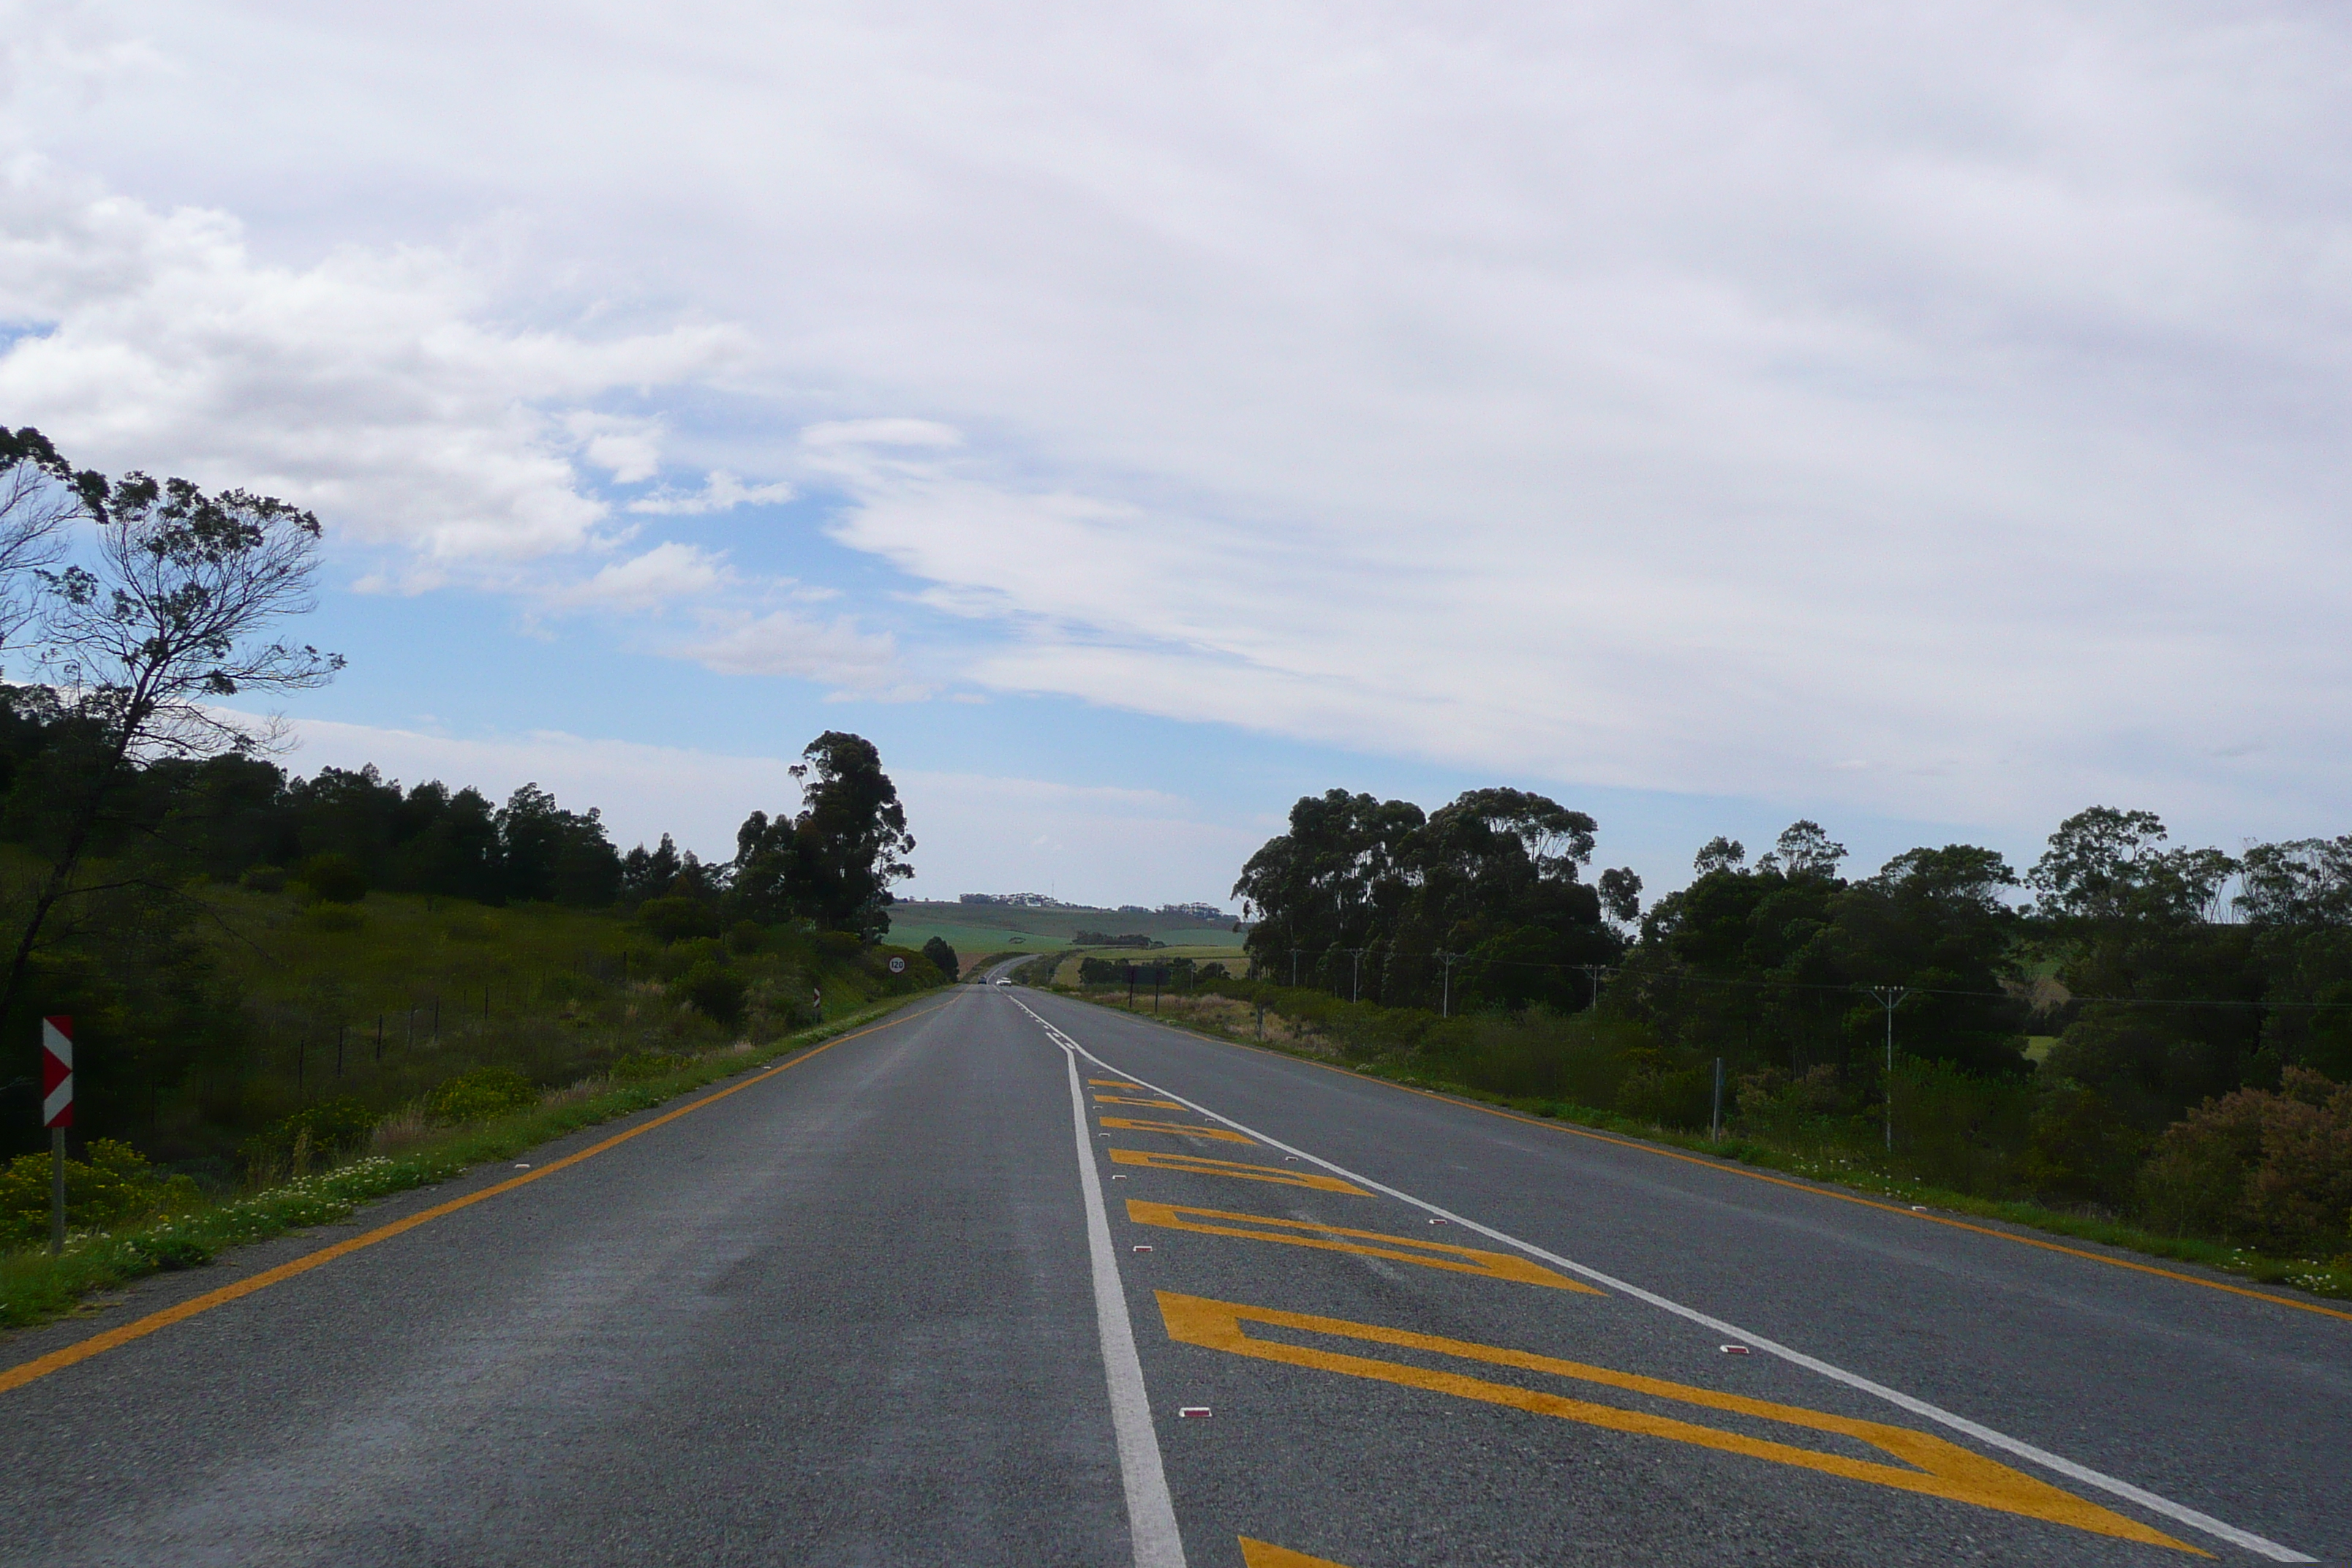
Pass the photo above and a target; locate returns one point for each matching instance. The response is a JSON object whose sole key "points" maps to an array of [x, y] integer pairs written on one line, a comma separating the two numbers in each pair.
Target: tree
{"points": [[1803, 850], [1362, 893], [1620, 895], [943, 956], [2103, 867], [1718, 854], [146, 645], [40, 496], [834, 863], [555, 855]]}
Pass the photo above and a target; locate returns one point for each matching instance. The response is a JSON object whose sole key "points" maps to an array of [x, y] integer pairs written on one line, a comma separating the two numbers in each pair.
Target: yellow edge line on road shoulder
{"points": [[1732, 1170], [99, 1344]]}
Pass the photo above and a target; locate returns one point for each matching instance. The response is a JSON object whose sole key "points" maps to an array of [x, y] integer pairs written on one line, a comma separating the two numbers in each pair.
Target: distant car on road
{"points": [[1000, 980]]}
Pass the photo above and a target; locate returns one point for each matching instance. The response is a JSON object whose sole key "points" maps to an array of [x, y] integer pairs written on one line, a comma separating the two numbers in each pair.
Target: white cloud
{"points": [[1937, 411], [782, 643], [373, 385], [665, 577], [629, 449], [720, 491], [854, 433]]}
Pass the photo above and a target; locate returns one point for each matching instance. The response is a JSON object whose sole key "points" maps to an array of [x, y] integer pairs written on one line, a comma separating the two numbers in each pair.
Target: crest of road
{"points": [[1012, 1279]]}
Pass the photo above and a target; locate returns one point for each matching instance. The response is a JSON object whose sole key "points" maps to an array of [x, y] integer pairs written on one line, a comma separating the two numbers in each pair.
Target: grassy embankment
{"points": [[1839, 1151], [192, 1231]]}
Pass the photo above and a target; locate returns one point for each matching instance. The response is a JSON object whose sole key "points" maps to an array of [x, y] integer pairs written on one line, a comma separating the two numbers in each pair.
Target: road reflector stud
{"points": [[1738, 1350], [1919, 1209], [1119, 1178], [1191, 1413], [1437, 1221], [1143, 1249], [522, 1164]]}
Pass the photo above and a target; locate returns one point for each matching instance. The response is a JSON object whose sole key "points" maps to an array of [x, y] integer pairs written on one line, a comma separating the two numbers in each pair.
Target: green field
{"points": [[974, 929]]}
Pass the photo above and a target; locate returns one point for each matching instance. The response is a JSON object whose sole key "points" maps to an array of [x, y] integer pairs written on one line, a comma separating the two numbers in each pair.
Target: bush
{"points": [[334, 918], [2079, 1148], [638, 1066], [333, 879], [672, 962], [264, 878], [942, 957], [112, 1183], [479, 1095], [839, 943], [676, 919], [746, 937], [340, 1126], [2271, 1169], [717, 992]]}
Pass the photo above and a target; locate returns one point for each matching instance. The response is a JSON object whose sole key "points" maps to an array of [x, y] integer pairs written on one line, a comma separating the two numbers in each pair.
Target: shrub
{"points": [[112, 1183], [676, 919], [341, 1125], [334, 918], [942, 957], [2079, 1148], [481, 1094], [638, 1066], [715, 992], [670, 963], [264, 878], [745, 937], [333, 879], [839, 943], [2272, 1168]]}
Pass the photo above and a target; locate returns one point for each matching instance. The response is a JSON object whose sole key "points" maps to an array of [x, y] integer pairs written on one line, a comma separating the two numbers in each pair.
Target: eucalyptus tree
{"points": [[170, 618], [41, 495]]}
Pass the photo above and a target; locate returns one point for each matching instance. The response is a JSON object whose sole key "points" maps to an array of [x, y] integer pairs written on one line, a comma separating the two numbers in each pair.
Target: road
{"points": [[942, 1292]]}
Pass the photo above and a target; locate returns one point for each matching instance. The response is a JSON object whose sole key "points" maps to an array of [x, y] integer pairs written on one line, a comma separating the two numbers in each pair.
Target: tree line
{"points": [[2156, 975]]}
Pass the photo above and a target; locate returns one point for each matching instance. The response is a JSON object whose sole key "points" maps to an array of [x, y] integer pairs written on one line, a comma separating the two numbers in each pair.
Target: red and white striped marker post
{"points": [[57, 1115]]}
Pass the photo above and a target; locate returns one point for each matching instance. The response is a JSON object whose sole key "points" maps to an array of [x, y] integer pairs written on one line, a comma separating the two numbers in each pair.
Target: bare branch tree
{"points": [[169, 623], [40, 495]]}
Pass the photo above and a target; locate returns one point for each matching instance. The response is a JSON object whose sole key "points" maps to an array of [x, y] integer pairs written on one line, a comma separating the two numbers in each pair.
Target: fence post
{"points": [[1715, 1128]]}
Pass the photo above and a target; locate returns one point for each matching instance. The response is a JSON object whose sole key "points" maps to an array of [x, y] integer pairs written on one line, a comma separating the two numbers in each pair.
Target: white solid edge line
{"points": [[2177, 1512], [1151, 1512]]}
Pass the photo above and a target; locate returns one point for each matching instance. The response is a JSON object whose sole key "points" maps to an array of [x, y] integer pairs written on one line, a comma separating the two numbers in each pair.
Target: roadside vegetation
{"points": [[286, 992], [133, 1219], [2154, 1050]]}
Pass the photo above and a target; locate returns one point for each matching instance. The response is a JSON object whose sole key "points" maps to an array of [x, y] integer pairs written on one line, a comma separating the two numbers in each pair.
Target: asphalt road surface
{"points": [[1017, 1279]]}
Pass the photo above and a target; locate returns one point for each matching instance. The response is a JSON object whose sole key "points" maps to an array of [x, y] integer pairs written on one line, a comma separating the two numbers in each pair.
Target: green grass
{"points": [[34, 1286], [2319, 1277], [990, 927]]}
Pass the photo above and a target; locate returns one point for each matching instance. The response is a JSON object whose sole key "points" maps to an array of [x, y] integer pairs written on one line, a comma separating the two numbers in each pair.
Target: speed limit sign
{"points": [[897, 966]]}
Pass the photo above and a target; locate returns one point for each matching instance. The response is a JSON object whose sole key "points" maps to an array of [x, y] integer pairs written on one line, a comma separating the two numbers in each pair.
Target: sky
{"points": [[1132, 418]]}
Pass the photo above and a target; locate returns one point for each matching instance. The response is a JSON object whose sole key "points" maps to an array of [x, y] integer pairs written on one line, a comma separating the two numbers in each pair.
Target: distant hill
{"points": [[975, 929]]}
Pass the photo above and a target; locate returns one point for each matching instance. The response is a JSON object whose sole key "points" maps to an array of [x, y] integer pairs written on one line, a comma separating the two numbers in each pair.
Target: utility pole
{"points": [[1890, 997], [1592, 973], [1355, 976], [1294, 966], [1445, 1003]]}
